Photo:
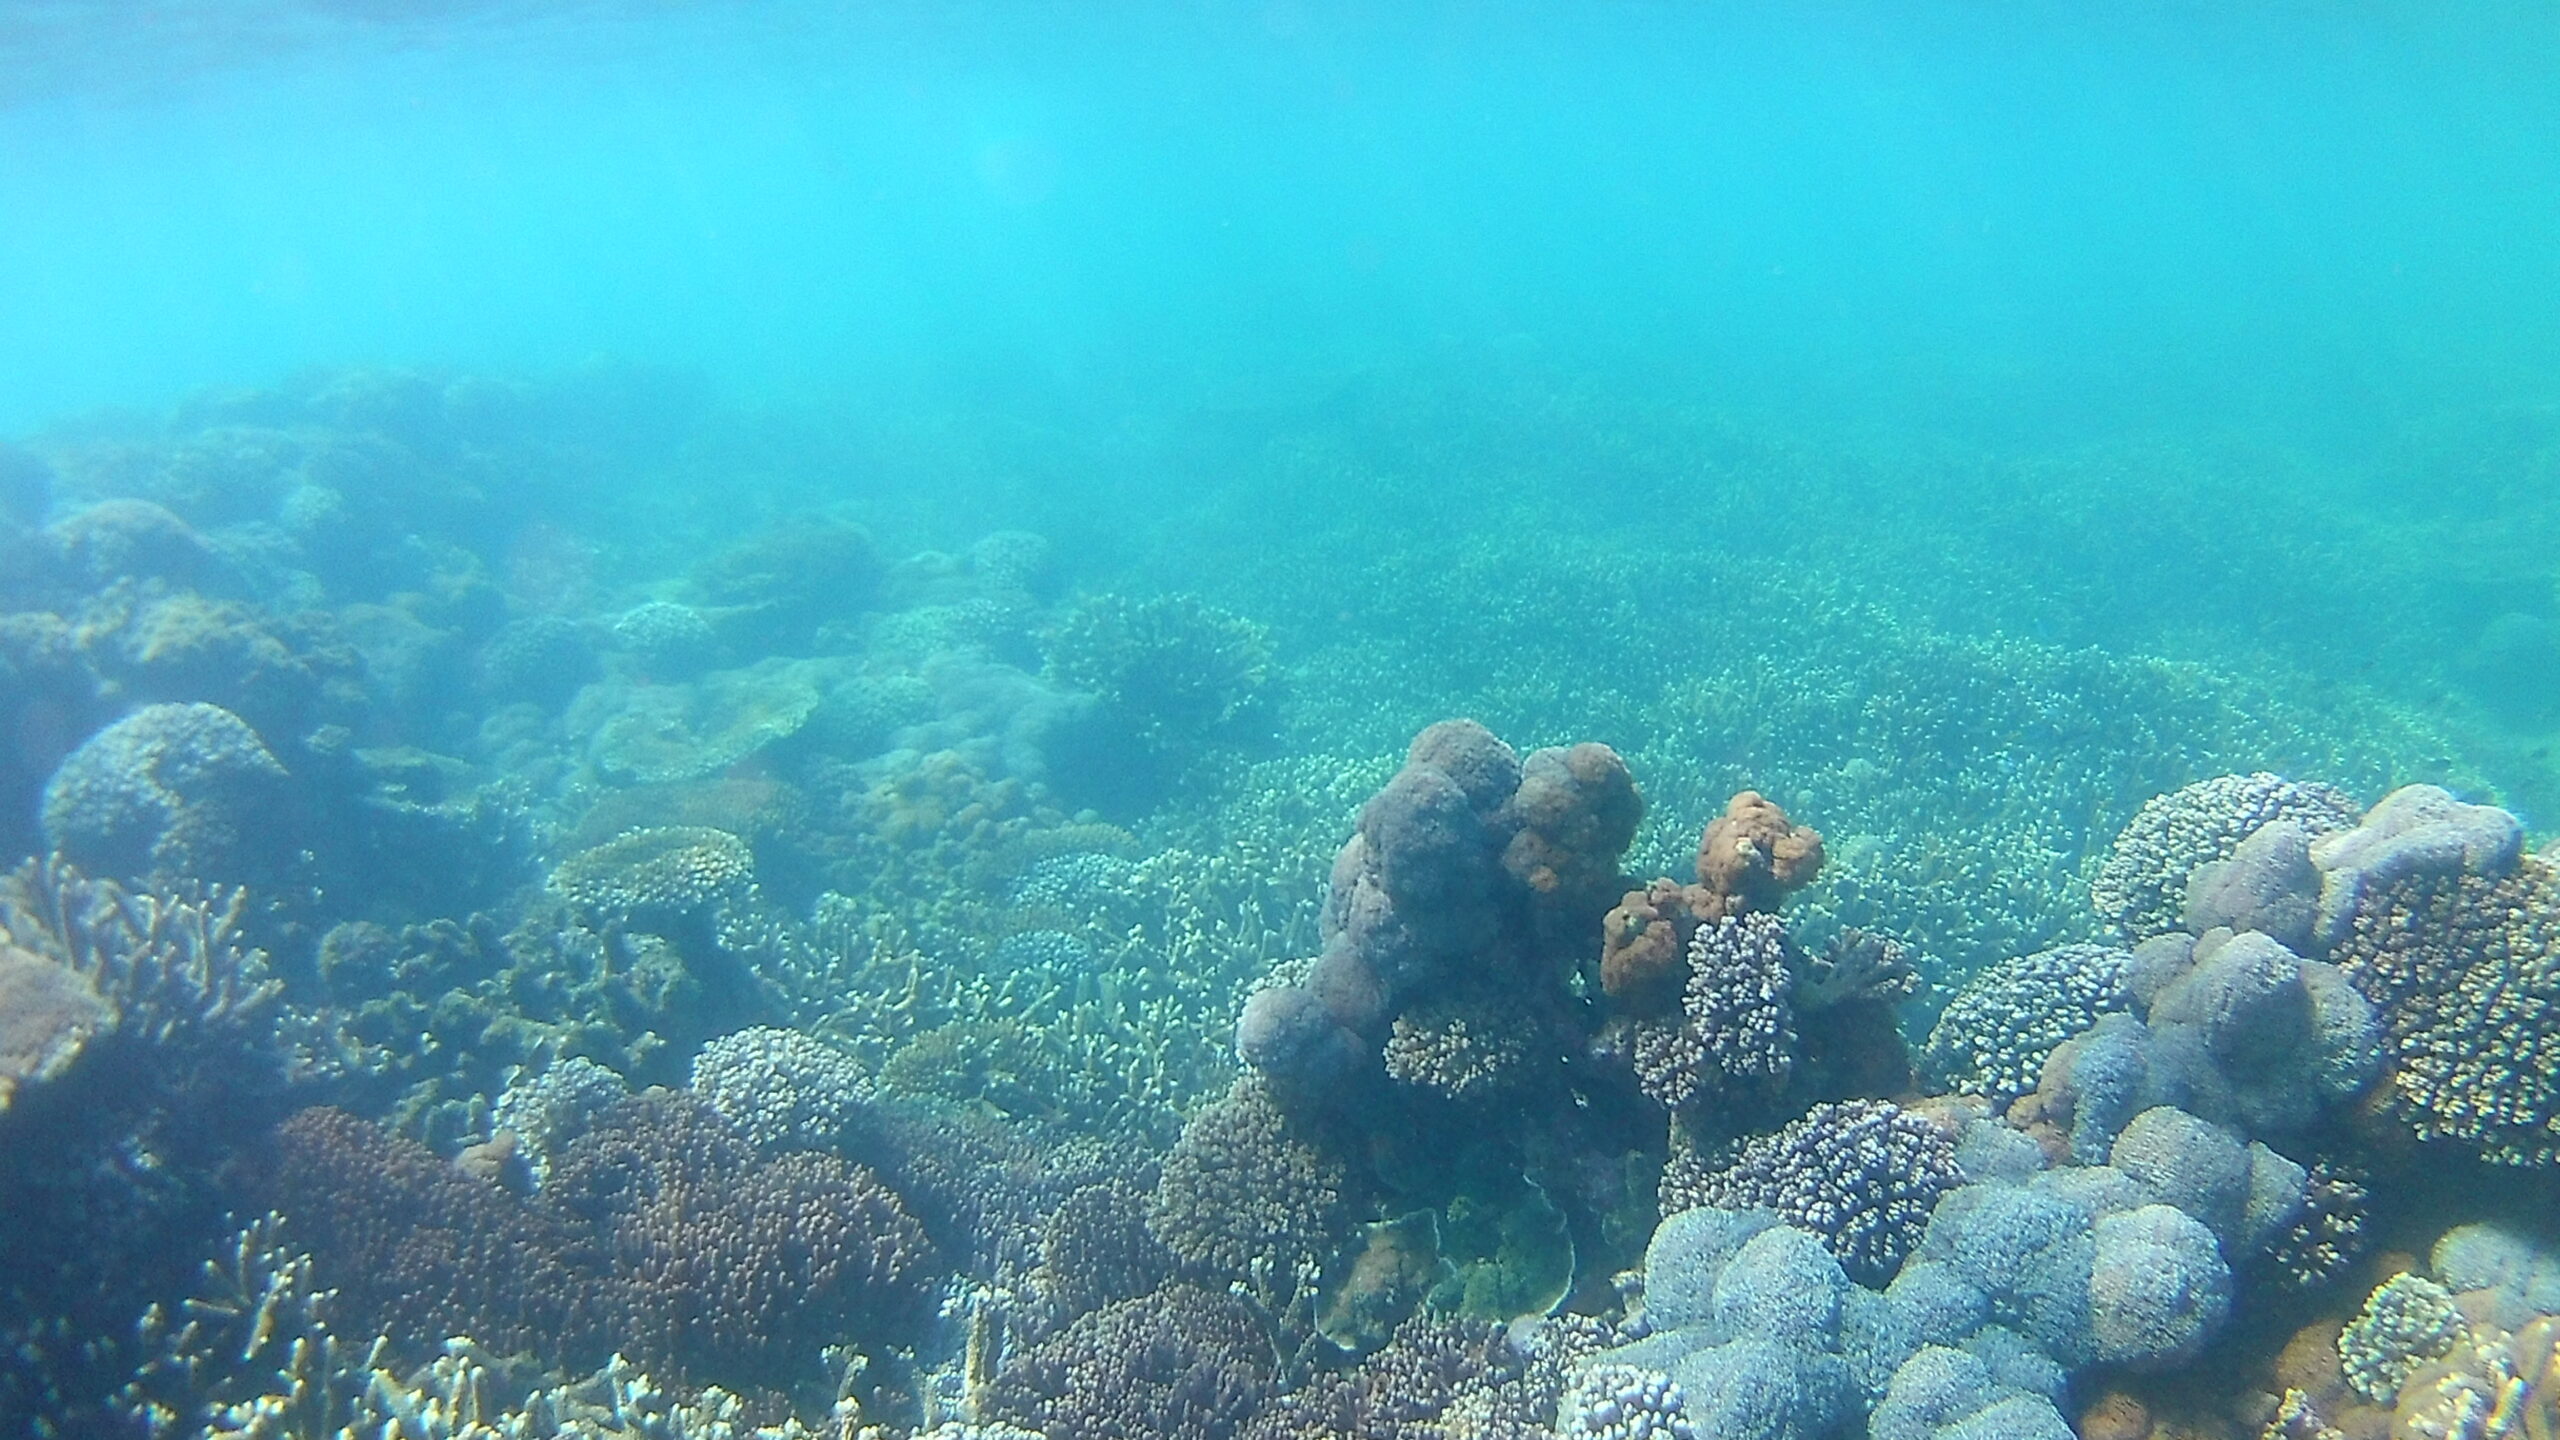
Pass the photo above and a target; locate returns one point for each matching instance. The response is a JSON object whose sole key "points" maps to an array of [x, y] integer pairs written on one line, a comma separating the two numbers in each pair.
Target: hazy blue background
{"points": [[2061, 218]]}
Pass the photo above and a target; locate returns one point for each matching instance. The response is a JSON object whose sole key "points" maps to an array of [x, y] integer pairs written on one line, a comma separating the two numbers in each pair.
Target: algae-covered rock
{"points": [[658, 734]]}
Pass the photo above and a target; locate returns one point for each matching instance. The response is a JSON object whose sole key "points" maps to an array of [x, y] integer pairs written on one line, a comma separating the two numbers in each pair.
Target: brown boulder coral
{"points": [[1749, 859]]}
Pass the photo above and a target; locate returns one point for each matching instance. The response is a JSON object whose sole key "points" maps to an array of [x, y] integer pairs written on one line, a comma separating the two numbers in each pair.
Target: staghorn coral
{"points": [[144, 1043], [2141, 887], [2407, 1323], [1180, 1363], [252, 1355], [1993, 1038], [1862, 1175], [250, 1350], [169, 968]]}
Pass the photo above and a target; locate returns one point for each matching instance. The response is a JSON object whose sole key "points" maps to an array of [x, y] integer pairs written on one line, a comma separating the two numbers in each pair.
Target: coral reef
{"points": [[534, 821], [2141, 888], [172, 792], [1182, 1363], [1862, 1175], [1994, 1037]]}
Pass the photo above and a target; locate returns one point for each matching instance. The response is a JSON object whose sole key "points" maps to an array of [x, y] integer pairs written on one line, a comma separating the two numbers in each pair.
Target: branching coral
{"points": [[1863, 1175], [2464, 972], [2141, 887], [1247, 1189], [1993, 1038], [1181, 1363], [1173, 669], [1735, 1033]]}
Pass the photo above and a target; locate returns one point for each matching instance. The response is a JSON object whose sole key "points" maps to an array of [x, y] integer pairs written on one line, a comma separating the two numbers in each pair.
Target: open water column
{"points": [[1279, 720]]}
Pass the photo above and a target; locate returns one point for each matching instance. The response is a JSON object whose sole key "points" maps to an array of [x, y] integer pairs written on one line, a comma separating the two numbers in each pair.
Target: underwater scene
{"points": [[1279, 720]]}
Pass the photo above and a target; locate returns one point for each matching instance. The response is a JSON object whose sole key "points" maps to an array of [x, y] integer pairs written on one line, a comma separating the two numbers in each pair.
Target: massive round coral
{"points": [[175, 792]]}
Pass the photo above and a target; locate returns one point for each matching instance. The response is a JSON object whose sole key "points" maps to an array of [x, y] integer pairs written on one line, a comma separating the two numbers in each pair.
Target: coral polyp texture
{"points": [[1861, 1174], [2141, 887], [1994, 1037]]}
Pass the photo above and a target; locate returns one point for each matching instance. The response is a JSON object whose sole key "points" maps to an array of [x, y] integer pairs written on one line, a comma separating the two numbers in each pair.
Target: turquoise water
{"points": [[723, 691]]}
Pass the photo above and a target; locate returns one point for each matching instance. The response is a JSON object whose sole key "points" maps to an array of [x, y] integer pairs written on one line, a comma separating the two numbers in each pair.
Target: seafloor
{"points": [[570, 908]]}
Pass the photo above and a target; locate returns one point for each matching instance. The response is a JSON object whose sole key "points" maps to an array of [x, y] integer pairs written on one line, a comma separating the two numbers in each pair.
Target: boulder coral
{"points": [[173, 792], [1749, 859], [1461, 869]]}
